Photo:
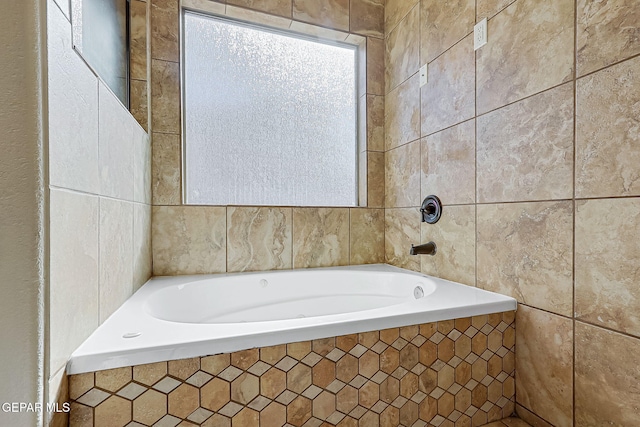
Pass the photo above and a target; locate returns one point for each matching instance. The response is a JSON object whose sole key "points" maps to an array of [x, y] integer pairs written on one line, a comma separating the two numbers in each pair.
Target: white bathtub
{"points": [[172, 318]]}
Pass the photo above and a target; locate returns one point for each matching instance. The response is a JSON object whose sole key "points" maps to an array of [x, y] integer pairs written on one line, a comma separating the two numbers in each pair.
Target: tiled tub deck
{"points": [[447, 374]]}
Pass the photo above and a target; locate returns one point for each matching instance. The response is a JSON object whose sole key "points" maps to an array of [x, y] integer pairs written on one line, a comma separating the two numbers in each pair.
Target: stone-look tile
{"points": [[367, 17], [544, 356], [607, 32], [363, 178], [211, 6], [116, 255], [375, 123], [402, 50], [525, 150], [375, 66], [141, 165], [256, 17], [402, 228], [489, 8], [320, 237], [165, 97], [149, 407], [607, 254], [449, 164], [138, 103], [394, 11], [73, 112], [607, 377], [113, 379], [375, 179], [366, 236], [165, 22], [138, 40], [258, 238], [189, 240], [73, 272], [402, 176], [530, 418], [525, 251], [448, 97], [455, 239], [607, 155], [274, 7], [113, 412], [531, 48], [328, 13], [165, 169], [402, 113], [444, 24]]}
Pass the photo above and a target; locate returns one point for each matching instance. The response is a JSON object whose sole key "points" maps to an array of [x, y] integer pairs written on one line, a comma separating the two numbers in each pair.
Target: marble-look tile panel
{"points": [[363, 173], [531, 49], [402, 113], [375, 123], [320, 237], [544, 357], [259, 238], [165, 96], [138, 40], [449, 164], [448, 97], [530, 418], [139, 102], [328, 13], [394, 11], [455, 238], [165, 169], [607, 254], [367, 17], [116, 255], [443, 25], [525, 251], [375, 66], [274, 7], [607, 32], [141, 244], [402, 176], [607, 139], [607, 378], [73, 277], [489, 8], [375, 179], [366, 236], [401, 229], [189, 240], [165, 29], [402, 50], [525, 150]]}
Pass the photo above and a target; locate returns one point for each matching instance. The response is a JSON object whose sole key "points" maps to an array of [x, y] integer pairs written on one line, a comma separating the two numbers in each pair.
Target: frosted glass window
{"points": [[269, 118]]}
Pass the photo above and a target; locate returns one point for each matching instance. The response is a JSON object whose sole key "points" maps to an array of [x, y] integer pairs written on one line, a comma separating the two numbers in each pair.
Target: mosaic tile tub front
{"points": [[450, 373]]}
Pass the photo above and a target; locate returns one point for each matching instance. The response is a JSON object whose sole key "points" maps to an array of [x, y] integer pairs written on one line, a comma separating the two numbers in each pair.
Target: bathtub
{"points": [[173, 318]]}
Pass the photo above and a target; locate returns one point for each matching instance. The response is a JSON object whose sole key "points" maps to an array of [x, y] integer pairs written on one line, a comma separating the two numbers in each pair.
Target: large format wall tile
{"points": [[165, 28], [402, 113], [402, 50], [375, 179], [607, 254], [455, 238], [544, 360], [607, 32], [139, 102], [141, 244], [607, 155], [448, 164], [367, 17], [138, 42], [165, 169], [525, 251], [320, 237], [189, 240], [258, 238], [275, 7], [402, 176], [530, 49], [375, 123], [394, 11], [328, 13], [489, 8], [607, 378], [375, 66], [449, 96], [444, 24], [366, 236], [165, 96], [525, 150], [401, 229]]}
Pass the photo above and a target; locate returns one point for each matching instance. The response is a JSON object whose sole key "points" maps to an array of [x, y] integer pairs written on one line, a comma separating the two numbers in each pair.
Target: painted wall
{"points": [[213, 239], [532, 144], [21, 209]]}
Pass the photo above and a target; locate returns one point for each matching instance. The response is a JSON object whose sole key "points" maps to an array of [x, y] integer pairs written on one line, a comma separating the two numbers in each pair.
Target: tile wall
{"points": [[100, 202], [437, 374], [214, 239], [532, 144]]}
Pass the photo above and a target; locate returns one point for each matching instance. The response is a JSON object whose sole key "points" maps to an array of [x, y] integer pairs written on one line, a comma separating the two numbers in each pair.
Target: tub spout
{"points": [[424, 249]]}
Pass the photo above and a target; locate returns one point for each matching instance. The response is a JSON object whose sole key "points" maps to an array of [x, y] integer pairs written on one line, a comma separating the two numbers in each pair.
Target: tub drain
{"points": [[418, 292]]}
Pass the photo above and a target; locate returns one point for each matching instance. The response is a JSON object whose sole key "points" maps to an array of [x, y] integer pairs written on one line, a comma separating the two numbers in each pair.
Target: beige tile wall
{"points": [[214, 239], [532, 144]]}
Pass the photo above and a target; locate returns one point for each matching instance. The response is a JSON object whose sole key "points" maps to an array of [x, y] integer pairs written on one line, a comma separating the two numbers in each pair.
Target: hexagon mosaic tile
{"points": [[447, 374]]}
